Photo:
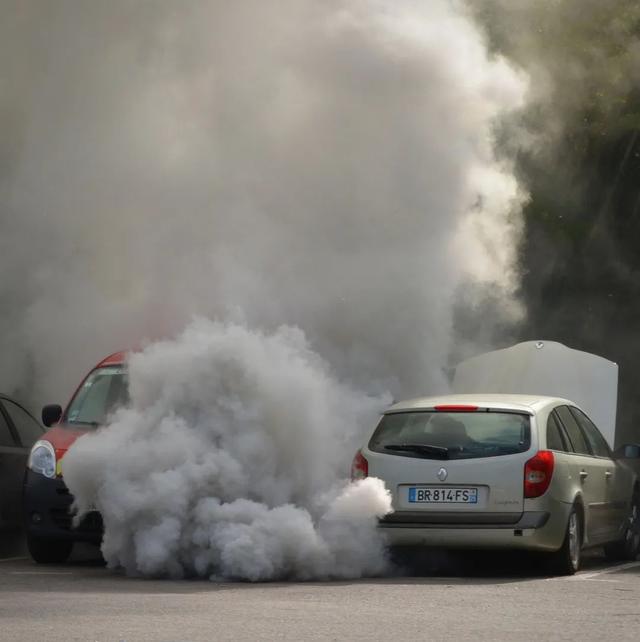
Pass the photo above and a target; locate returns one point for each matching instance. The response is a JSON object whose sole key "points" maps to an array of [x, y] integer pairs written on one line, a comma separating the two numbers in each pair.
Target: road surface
{"points": [[471, 599]]}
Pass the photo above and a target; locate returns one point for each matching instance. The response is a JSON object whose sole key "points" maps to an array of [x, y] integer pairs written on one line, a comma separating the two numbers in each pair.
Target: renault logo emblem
{"points": [[442, 474]]}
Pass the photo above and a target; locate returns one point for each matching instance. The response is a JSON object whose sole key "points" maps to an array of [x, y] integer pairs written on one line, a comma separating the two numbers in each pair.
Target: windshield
{"points": [[452, 435], [104, 390]]}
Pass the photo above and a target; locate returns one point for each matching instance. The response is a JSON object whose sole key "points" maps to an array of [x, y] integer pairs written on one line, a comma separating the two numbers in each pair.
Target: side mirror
{"points": [[51, 414], [628, 451]]}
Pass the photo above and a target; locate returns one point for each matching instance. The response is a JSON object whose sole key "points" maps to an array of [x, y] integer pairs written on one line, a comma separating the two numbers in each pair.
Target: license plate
{"points": [[438, 495]]}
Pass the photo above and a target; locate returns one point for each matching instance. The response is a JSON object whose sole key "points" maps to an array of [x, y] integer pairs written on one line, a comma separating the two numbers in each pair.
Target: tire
{"points": [[566, 560], [628, 547], [49, 551]]}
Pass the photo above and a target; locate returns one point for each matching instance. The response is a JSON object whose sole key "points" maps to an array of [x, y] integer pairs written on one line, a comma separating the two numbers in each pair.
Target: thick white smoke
{"points": [[231, 461], [327, 165], [322, 164]]}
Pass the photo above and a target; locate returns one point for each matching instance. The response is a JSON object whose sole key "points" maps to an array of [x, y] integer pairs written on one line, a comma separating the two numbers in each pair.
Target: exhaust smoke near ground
{"points": [[327, 166], [231, 461]]}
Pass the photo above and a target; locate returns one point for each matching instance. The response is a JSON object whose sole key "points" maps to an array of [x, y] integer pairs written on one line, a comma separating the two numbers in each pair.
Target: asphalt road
{"points": [[474, 598]]}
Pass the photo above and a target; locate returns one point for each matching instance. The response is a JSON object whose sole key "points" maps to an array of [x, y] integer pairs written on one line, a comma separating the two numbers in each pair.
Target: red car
{"points": [[47, 501]]}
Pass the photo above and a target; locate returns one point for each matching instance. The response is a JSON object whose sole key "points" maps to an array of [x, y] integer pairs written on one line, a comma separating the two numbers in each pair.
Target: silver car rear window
{"points": [[452, 435]]}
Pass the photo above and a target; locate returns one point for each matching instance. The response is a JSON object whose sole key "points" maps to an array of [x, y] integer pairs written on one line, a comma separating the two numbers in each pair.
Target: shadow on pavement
{"points": [[86, 555], [85, 571], [494, 565], [12, 544]]}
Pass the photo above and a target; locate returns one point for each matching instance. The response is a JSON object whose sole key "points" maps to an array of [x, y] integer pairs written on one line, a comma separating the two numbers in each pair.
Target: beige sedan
{"points": [[503, 471]]}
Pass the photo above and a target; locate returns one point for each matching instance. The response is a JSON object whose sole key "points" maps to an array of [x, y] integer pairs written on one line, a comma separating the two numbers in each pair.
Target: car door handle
{"points": [[583, 475], [608, 474]]}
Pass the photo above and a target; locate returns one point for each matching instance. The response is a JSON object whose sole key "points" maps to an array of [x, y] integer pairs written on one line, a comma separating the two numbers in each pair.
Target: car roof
{"points": [[115, 359], [5, 397], [10, 398], [524, 403]]}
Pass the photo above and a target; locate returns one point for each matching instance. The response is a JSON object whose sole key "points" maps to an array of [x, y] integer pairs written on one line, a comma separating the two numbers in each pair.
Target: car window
{"points": [[29, 430], [578, 442], [454, 435], [104, 390], [597, 442], [6, 438], [555, 439]]}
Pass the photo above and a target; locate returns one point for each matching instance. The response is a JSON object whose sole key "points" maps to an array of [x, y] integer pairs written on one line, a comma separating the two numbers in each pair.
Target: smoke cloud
{"points": [[583, 59], [327, 166], [229, 462], [580, 163]]}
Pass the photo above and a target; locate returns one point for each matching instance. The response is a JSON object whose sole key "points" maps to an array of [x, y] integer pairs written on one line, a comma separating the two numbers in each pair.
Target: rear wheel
{"points": [[566, 560], [628, 547], [49, 551]]}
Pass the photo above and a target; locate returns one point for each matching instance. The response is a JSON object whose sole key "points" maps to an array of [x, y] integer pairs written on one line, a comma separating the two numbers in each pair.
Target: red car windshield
{"points": [[102, 392]]}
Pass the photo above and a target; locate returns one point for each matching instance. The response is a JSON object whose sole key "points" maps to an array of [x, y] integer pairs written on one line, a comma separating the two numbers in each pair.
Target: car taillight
{"points": [[537, 474], [359, 467]]}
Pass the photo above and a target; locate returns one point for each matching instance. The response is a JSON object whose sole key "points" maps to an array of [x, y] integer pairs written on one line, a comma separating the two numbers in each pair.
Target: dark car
{"points": [[47, 500], [19, 430]]}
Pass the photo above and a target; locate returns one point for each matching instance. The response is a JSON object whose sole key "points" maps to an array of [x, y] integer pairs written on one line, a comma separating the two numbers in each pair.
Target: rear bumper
{"points": [[531, 530], [47, 506]]}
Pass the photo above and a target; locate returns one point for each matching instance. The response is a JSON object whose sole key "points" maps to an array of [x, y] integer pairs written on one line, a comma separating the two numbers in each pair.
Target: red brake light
{"points": [[456, 408], [537, 474], [359, 467]]}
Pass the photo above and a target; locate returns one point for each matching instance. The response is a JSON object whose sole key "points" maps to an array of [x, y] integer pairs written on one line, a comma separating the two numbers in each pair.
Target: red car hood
{"points": [[61, 438]]}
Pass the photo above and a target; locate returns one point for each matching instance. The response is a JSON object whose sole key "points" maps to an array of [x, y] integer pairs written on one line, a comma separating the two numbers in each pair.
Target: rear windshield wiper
{"points": [[439, 452]]}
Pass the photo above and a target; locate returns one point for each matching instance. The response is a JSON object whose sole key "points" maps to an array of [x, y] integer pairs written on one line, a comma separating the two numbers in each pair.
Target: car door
{"points": [[618, 480], [590, 471], [13, 460]]}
